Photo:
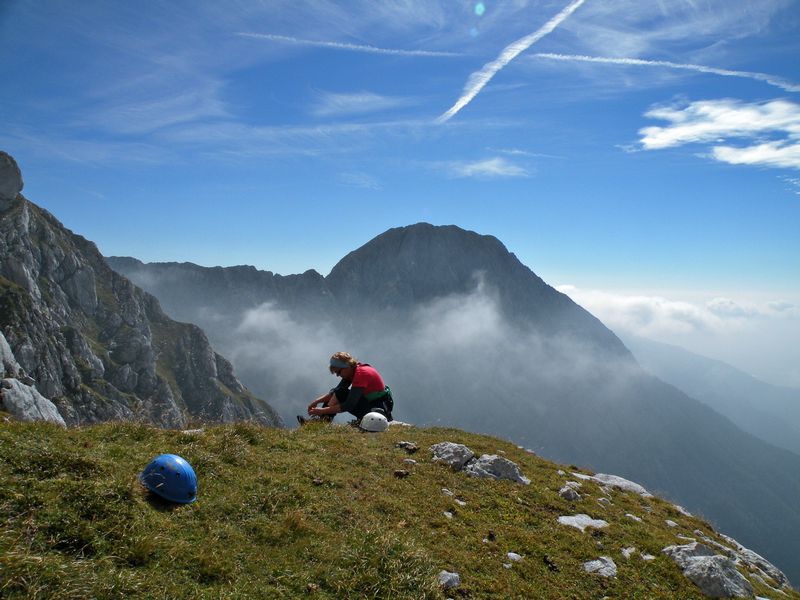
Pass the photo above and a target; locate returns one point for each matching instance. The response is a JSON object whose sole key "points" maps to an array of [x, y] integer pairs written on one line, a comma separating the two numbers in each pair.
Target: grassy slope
{"points": [[315, 513]]}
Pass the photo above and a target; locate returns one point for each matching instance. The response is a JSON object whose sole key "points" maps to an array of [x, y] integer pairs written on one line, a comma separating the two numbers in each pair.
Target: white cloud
{"points": [[479, 79], [771, 154], [346, 46], [490, 168], [752, 333], [715, 121], [331, 104], [769, 79], [659, 316]]}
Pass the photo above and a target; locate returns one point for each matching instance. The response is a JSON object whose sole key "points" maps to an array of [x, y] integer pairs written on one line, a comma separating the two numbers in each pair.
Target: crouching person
{"points": [[360, 391]]}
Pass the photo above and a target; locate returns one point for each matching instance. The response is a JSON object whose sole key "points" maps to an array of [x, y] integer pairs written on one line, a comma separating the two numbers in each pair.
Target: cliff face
{"points": [[96, 345]]}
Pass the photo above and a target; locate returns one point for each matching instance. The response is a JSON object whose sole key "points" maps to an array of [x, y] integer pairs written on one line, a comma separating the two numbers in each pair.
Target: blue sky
{"points": [[643, 156]]}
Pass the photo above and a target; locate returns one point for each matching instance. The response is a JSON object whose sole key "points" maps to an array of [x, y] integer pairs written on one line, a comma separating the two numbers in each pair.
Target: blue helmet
{"points": [[171, 477]]}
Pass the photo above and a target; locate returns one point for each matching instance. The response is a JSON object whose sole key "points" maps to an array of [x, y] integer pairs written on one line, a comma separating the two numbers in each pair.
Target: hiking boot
{"points": [[301, 420]]}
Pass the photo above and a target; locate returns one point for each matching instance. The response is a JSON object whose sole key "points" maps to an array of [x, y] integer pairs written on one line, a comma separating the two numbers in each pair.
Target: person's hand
{"points": [[315, 412]]}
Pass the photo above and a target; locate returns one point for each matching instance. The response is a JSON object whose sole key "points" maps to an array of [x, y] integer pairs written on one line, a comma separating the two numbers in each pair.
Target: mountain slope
{"points": [[766, 411], [96, 345], [320, 512]]}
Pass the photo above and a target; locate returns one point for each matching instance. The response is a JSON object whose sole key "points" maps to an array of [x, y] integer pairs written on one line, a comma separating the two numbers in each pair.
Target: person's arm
{"points": [[324, 399]]}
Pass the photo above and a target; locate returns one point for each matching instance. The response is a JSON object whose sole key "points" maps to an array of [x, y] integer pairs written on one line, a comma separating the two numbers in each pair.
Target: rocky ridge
{"points": [[93, 343]]}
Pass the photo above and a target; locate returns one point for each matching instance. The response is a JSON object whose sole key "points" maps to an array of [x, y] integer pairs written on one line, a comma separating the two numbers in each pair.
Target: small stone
{"points": [[401, 473], [513, 556], [460, 502], [449, 580], [409, 461], [312, 587], [569, 494], [628, 552], [671, 523], [409, 447], [633, 517], [447, 492], [448, 514], [507, 565], [603, 566], [582, 521], [647, 557], [317, 481]]}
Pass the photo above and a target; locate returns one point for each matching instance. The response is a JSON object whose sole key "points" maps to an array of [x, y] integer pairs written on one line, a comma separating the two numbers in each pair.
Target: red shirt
{"points": [[368, 378]]}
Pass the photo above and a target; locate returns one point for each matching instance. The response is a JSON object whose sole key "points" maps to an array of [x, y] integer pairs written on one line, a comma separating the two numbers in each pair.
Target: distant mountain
{"points": [[93, 343], [769, 412], [469, 337]]}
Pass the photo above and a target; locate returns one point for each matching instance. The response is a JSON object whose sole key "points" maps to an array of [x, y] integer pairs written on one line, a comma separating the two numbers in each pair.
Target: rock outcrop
{"points": [[96, 345], [488, 466], [714, 574], [10, 180]]}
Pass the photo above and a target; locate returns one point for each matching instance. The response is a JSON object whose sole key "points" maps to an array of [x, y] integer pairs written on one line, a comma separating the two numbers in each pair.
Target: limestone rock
{"points": [[616, 482], [603, 566], [492, 466], [99, 347], [453, 455], [449, 580], [10, 180], [716, 576], [756, 561], [9, 367], [26, 403], [569, 493], [683, 554], [582, 522]]}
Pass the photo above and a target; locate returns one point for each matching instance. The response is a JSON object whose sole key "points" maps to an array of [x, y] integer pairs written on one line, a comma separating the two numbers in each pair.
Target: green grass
{"points": [[315, 513]]}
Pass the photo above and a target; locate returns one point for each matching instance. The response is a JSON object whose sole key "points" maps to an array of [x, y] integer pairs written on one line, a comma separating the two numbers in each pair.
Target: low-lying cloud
{"points": [[656, 315]]}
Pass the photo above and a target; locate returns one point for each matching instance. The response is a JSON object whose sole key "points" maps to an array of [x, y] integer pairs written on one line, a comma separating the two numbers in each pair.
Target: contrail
{"points": [[769, 79], [479, 79], [342, 46]]}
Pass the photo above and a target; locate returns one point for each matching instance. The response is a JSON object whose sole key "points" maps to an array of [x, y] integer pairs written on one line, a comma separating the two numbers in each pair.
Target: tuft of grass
{"points": [[315, 512]]}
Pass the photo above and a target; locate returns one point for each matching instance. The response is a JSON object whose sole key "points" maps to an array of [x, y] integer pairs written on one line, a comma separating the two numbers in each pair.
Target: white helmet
{"points": [[374, 422]]}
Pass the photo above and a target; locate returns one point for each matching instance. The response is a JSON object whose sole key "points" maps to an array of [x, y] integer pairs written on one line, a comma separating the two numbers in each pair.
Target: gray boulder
{"points": [[714, 574], [491, 466], [8, 363], [26, 403], [717, 577], [453, 455], [756, 561], [10, 180], [685, 553]]}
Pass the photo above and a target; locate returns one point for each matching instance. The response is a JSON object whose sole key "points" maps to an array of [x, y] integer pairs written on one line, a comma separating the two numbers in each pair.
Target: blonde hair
{"points": [[343, 357]]}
